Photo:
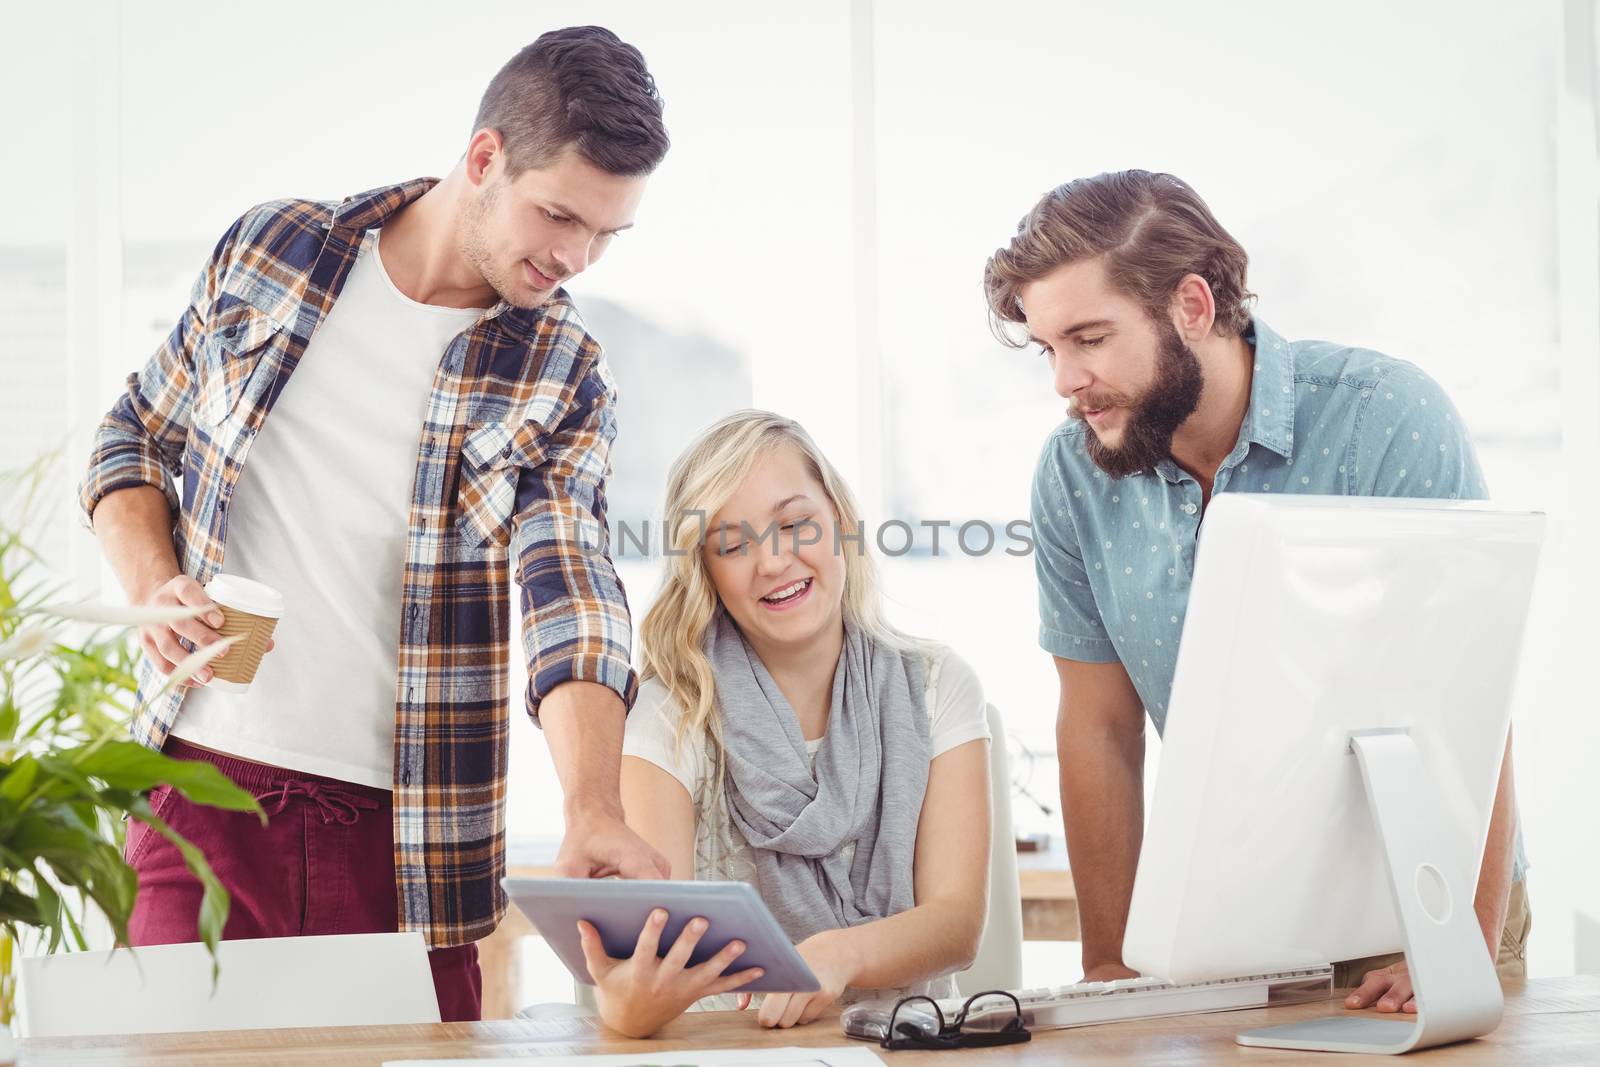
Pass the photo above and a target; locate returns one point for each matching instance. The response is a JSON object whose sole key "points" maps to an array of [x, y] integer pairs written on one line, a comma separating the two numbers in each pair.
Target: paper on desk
{"points": [[841, 1056]]}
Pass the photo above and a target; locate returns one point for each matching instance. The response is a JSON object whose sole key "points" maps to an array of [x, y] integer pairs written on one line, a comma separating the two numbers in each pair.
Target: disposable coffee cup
{"points": [[250, 611]]}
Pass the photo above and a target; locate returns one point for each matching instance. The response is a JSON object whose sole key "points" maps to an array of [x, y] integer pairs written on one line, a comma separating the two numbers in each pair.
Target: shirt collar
{"points": [[1269, 417], [1269, 420], [373, 208]]}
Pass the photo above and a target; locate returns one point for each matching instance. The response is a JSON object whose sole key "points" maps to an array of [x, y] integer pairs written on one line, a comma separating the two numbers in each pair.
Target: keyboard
{"points": [[1088, 1003]]}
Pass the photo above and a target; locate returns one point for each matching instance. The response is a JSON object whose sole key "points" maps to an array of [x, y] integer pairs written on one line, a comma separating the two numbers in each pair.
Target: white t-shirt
{"points": [[321, 513], [956, 715]]}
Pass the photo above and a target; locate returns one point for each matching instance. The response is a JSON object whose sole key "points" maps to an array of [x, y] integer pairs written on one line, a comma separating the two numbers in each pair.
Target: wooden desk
{"points": [[1049, 913], [1550, 1022]]}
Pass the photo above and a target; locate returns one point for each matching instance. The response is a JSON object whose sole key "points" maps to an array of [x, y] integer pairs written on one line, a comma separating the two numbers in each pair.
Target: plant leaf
{"points": [[185, 668], [17, 906], [19, 779], [49, 907], [30, 642], [117, 614], [129, 765], [214, 899], [81, 942], [10, 718]]}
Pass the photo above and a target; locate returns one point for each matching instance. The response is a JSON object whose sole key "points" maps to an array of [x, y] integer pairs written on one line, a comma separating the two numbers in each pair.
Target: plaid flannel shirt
{"points": [[512, 462]]}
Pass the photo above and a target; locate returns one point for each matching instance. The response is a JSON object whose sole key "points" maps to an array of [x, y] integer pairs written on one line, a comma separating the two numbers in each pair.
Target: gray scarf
{"points": [[870, 777]]}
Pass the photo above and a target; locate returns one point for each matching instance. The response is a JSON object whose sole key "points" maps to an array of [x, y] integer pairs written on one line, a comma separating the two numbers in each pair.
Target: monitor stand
{"points": [[1457, 990]]}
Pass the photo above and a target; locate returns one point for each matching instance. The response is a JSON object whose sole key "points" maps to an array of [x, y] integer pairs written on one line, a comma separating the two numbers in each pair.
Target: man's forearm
{"points": [[1102, 804], [1494, 877], [583, 723], [134, 528]]}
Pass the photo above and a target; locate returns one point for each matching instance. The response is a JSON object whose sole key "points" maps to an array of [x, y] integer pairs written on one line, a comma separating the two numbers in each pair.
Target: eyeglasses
{"points": [[902, 1035]]}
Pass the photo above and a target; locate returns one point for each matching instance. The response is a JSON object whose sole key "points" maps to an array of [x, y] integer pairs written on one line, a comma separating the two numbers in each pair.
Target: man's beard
{"points": [[1155, 415], [475, 250]]}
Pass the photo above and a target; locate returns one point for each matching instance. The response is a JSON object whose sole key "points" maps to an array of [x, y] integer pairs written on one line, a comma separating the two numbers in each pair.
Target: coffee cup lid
{"points": [[243, 594]]}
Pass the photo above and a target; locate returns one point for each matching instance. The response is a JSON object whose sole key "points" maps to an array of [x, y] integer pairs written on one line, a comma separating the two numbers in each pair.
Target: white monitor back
{"points": [[332, 980], [1311, 618]]}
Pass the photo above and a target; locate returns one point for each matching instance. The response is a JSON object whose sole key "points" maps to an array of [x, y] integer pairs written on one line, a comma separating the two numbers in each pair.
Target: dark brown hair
{"points": [[1152, 229], [579, 86]]}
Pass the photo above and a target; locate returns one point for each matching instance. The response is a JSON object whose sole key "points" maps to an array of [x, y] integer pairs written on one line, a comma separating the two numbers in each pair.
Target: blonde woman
{"points": [[787, 736]]}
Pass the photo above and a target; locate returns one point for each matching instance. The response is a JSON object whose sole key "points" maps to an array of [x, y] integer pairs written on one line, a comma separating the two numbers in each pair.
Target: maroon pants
{"points": [[323, 864]]}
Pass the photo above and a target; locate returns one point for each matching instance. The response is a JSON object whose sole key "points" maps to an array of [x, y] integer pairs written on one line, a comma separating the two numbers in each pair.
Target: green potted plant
{"points": [[69, 775]]}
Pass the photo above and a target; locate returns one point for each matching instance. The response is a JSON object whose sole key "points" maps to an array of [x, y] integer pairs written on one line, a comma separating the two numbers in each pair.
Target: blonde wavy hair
{"points": [[701, 482]]}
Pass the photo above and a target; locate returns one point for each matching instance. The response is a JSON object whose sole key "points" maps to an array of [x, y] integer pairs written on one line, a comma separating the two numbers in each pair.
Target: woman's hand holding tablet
{"points": [[644, 992], [662, 945]]}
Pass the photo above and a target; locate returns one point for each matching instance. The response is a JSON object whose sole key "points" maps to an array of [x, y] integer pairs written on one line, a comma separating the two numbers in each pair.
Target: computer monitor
{"points": [[1338, 716]]}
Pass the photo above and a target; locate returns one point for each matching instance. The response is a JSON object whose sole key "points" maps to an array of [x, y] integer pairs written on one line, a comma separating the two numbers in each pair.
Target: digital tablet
{"points": [[618, 909]]}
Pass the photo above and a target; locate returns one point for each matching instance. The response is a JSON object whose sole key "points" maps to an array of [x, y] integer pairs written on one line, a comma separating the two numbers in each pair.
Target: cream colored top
{"points": [[956, 715]]}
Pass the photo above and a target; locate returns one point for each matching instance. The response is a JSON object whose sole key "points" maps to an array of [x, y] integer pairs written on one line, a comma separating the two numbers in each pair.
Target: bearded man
{"points": [[1137, 297]]}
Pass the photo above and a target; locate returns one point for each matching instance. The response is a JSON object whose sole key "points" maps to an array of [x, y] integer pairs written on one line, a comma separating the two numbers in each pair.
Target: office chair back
{"points": [[337, 980], [998, 964]]}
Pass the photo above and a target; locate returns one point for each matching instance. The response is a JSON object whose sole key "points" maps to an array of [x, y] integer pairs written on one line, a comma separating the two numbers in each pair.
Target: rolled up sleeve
{"points": [[142, 438], [1069, 619], [576, 625]]}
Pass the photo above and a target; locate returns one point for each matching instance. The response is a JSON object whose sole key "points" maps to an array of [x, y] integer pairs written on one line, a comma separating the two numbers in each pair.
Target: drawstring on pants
{"points": [[332, 804]]}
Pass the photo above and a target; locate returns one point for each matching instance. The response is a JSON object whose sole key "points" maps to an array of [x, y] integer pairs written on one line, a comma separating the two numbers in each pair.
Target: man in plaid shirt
{"points": [[438, 416]]}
